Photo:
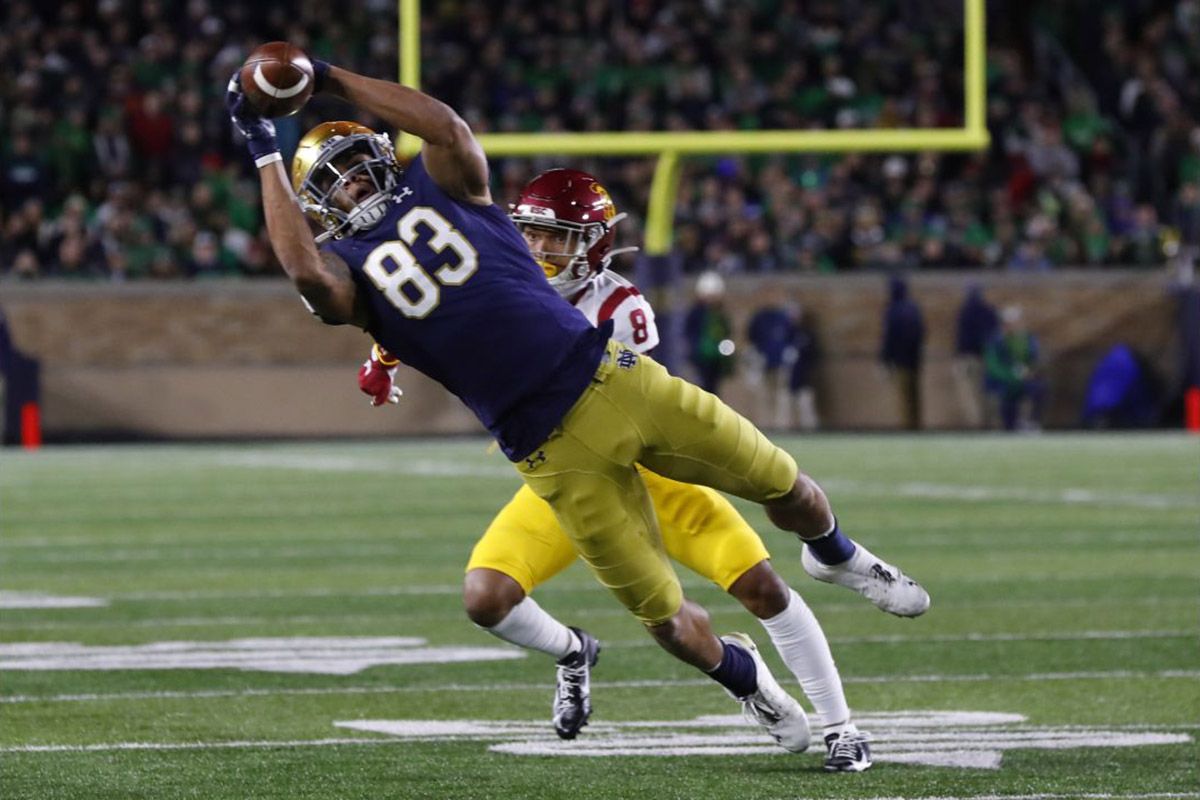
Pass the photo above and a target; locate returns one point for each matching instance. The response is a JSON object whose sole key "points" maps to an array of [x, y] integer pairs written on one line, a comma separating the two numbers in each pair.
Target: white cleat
{"points": [[875, 579], [770, 706]]}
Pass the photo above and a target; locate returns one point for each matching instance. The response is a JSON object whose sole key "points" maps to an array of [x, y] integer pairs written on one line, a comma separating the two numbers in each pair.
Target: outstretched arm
{"points": [[451, 152], [323, 280]]}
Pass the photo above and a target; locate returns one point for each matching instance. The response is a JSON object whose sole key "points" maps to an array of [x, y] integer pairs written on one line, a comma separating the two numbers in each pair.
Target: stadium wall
{"points": [[244, 358]]}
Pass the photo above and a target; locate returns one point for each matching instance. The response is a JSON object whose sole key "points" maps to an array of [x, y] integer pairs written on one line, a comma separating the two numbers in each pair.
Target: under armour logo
{"points": [[403, 193], [537, 458], [626, 359]]}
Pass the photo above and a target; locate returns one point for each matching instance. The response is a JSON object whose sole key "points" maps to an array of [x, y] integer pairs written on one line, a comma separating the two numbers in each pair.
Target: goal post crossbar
{"points": [[670, 146]]}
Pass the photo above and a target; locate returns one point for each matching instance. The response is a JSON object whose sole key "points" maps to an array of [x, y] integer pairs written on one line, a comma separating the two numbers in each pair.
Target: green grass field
{"points": [[216, 611]]}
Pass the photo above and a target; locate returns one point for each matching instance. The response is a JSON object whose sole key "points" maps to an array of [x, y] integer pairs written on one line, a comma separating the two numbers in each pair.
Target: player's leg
{"points": [[588, 478], [691, 436], [797, 636], [806, 409], [703, 531], [801, 642], [521, 549]]}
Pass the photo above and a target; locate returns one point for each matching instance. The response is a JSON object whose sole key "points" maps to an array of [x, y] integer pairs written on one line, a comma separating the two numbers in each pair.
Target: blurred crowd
{"points": [[118, 161]]}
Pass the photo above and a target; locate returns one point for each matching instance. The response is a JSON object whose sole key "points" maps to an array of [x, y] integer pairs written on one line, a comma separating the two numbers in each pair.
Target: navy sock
{"points": [[832, 548], [736, 672]]}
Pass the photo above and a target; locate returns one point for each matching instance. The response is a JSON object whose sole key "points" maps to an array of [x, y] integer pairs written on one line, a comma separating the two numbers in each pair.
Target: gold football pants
{"points": [[700, 529], [635, 412]]}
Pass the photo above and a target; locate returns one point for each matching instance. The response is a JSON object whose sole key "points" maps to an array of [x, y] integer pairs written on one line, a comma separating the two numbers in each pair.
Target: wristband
{"points": [[269, 158], [320, 75]]}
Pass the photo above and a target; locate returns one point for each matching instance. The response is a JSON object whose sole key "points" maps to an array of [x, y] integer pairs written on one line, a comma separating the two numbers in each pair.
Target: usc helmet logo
{"points": [[610, 210]]}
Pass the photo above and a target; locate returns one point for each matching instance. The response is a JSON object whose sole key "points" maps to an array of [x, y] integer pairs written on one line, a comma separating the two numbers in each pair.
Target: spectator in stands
{"points": [[1094, 178], [111, 146], [787, 351], [709, 333], [1185, 216], [1011, 363], [902, 350], [976, 325], [805, 354], [26, 175], [771, 332]]}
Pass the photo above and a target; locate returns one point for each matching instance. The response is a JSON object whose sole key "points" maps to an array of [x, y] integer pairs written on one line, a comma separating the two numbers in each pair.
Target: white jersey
{"points": [[609, 296]]}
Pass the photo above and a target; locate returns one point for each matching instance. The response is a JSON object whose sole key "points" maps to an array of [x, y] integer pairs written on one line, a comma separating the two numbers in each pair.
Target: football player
{"points": [[423, 260], [568, 218]]}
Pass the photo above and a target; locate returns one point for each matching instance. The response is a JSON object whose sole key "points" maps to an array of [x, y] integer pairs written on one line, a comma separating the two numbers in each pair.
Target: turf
{"points": [[1063, 570]]}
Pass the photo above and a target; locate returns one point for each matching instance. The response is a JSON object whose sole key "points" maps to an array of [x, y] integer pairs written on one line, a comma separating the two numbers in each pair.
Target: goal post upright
{"points": [[409, 55]]}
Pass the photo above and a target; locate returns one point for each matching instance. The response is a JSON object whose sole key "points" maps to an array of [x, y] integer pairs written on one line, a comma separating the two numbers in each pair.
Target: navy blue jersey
{"points": [[454, 293]]}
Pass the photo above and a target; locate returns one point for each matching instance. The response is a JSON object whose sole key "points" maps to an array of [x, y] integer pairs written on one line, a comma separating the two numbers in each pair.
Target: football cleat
{"points": [[770, 706], [572, 690], [878, 581], [847, 750]]}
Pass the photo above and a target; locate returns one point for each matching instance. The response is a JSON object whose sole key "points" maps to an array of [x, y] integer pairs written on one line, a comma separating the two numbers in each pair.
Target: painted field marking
{"points": [[241, 554], [41, 600], [487, 688], [933, 491], [1051, 796], [231, 745], [989, 494], [568, 584], [319, 655], [418, 467], [961, 739], [958, 739]]}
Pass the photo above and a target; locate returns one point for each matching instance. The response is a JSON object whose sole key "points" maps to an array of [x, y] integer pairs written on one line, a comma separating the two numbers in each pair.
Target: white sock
{"points": [[527, 625], [800, 641]]}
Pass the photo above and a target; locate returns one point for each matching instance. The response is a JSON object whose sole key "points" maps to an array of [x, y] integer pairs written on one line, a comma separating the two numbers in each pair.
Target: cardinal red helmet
{"points": [[576, 205]]}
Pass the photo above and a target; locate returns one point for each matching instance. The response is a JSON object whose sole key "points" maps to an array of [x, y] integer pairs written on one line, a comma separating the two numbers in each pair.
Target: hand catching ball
{"points": [[277, 79]]}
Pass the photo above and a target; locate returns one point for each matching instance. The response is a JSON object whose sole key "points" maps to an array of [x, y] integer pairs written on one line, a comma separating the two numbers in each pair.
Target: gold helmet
{"points": [[327, 159]]}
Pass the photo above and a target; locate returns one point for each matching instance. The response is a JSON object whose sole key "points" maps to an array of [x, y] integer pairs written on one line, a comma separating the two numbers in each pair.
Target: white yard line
{"points": [[440, 468], [418, 467], [265, 554], [204, 694], [1068, 636], [1071, 796], [564, 584], [274, 594], [234, 745], [992, 493], [401, 542]]}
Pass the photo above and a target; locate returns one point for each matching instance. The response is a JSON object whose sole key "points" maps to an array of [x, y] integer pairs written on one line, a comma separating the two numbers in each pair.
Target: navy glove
{"points": [[320, 74], [259, 132]]}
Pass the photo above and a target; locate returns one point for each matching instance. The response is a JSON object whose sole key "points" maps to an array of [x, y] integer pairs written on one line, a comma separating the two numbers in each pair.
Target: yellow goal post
{"points": [[670, 146]]}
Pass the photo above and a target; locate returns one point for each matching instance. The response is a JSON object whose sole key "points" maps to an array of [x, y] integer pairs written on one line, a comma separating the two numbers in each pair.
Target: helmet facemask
{"points": [[574, 243], [578, 240], [341, 161]]}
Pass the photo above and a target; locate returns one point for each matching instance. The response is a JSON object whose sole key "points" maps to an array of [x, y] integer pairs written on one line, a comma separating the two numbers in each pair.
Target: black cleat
{"points": [[572, 690], [847, 751]]}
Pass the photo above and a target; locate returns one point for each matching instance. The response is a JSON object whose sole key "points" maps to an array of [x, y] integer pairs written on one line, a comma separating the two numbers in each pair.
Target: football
{"points": [[277, 79]]}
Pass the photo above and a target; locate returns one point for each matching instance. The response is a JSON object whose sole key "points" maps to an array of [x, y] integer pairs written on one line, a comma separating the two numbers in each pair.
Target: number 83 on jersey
{"points": [[407, 286]]}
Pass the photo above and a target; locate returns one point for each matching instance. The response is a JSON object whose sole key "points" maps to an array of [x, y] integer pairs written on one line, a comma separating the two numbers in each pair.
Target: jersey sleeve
{"points": [[633, 322]]}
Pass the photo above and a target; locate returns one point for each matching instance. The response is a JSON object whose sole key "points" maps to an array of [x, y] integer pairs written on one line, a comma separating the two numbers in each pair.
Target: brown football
{"points": [[277, 79]]}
